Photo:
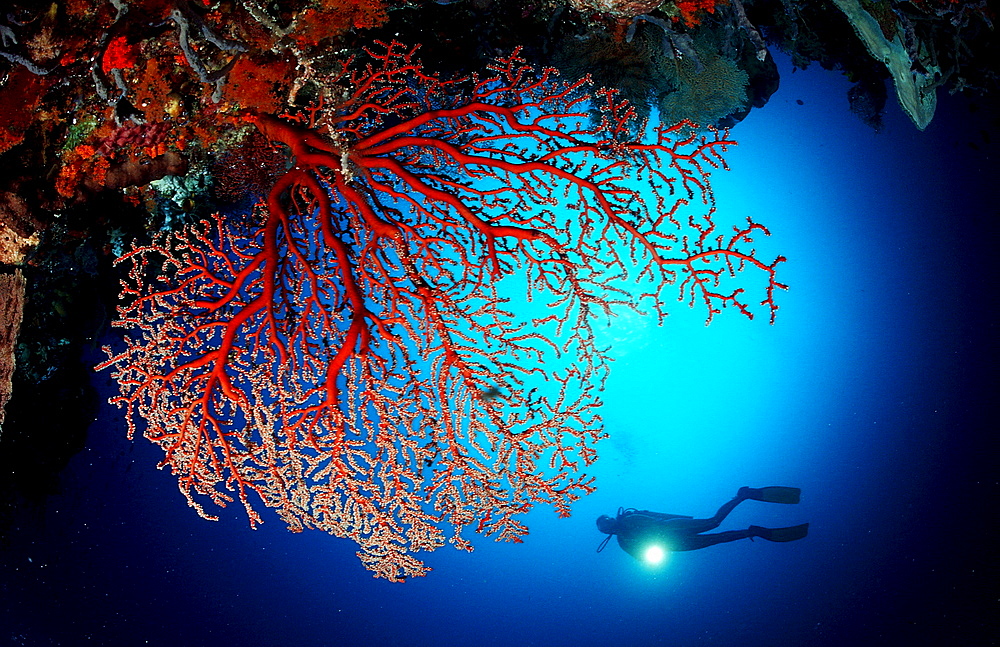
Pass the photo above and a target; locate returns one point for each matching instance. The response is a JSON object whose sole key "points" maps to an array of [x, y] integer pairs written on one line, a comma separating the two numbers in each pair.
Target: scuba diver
{"points": [[649, 536]]}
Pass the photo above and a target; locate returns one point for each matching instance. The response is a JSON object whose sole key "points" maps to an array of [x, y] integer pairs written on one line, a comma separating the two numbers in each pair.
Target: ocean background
{"points": [[875, 392]]}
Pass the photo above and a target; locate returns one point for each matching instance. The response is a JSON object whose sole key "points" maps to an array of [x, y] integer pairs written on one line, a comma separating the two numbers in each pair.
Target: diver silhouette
{"points": [[649, 536]]}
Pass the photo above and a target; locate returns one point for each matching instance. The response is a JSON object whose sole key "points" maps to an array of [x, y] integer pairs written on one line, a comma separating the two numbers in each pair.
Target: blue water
{"points": [[874, 392]]}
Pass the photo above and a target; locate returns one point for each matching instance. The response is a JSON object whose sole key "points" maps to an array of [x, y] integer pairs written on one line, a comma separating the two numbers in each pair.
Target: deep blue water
{"points": [[875, 392]]}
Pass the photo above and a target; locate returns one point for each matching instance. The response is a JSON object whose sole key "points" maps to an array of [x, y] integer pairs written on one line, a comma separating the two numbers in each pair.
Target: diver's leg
{"points": [[701, 525], [694, 542], [728, 507]]}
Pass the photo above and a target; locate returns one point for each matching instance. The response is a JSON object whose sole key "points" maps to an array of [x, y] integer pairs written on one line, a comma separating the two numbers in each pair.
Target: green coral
{"points": [[709, 89], [637, 69], [691, 76], [78, 131]]}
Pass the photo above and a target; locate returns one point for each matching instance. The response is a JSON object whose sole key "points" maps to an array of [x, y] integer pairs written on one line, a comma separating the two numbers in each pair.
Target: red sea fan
{"points": [[406, 345]]}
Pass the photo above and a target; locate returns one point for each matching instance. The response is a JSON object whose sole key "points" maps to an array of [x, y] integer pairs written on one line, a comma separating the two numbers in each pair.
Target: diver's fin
{"points": [[771, 494], [780, 534]]}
